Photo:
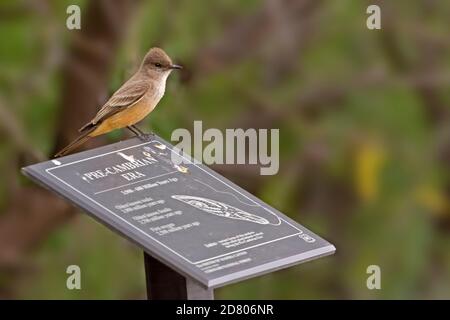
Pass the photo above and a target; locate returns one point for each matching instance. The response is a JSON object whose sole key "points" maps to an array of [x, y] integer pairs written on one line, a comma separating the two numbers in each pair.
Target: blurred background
{"points": [[363, 118]]}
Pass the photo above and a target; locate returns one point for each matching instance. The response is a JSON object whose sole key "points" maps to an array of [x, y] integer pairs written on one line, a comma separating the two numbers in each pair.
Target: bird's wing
{"points": [[127, 95]]}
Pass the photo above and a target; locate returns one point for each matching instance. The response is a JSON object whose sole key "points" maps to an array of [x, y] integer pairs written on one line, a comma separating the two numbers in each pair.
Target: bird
{"points": [[132, 102]]}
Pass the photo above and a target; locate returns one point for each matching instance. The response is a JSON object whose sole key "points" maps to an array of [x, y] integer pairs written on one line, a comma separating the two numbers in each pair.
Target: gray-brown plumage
{"points": [[134, 100]]}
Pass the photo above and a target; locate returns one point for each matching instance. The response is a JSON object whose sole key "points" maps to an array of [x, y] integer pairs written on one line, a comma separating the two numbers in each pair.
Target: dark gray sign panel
{"points": [[186, 215]]}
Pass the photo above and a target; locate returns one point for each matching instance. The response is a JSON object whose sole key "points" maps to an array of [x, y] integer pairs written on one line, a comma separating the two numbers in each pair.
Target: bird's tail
{"points": [[76, 143]]}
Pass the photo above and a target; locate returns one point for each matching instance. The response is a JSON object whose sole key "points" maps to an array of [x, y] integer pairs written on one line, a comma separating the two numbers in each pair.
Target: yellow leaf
{"points": [[369, 161]]}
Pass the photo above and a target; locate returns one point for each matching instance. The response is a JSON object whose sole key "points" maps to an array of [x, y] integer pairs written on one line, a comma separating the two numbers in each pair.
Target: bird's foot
{"points": [[146, 137], [140, 134]]}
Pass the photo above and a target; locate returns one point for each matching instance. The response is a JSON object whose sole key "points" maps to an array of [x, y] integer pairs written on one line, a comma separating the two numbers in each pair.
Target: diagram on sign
{"points": [[220, 209], [270, 218]]}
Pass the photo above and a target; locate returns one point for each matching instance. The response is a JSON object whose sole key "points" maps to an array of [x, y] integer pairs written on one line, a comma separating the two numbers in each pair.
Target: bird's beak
{"points": [[175, 66]]}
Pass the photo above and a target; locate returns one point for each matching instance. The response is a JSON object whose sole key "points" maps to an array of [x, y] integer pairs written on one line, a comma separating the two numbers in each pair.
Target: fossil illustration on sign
{"points": [[220, 209]]}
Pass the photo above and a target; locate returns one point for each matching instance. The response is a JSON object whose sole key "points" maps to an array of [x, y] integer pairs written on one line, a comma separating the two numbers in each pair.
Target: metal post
{"points": [[163, 283]]}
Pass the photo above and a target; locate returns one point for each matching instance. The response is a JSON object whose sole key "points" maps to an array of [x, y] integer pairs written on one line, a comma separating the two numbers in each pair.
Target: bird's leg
{"points": [[138, 132], [135, 130]]}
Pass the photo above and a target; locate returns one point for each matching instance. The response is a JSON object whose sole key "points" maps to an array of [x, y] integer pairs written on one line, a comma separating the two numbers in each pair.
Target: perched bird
{"points": [[132, 102]]}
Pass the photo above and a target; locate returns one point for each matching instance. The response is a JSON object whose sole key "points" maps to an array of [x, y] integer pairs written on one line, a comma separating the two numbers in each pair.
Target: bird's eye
{"points": [[158, 65]]}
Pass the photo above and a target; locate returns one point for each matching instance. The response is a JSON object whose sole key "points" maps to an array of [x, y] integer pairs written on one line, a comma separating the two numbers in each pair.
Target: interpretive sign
{"points": [[184, 214]]}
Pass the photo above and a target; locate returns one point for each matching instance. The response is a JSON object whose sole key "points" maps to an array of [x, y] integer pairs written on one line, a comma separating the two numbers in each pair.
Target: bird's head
{"points": [[156, 61]]}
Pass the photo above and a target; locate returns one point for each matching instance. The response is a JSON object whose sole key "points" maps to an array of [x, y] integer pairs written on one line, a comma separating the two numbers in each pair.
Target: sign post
{"points": [[163, 283], [198, 230]]}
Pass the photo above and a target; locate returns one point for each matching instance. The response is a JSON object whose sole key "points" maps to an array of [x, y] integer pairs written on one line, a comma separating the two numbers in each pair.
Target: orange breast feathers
{"points": [[127, 117]]}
